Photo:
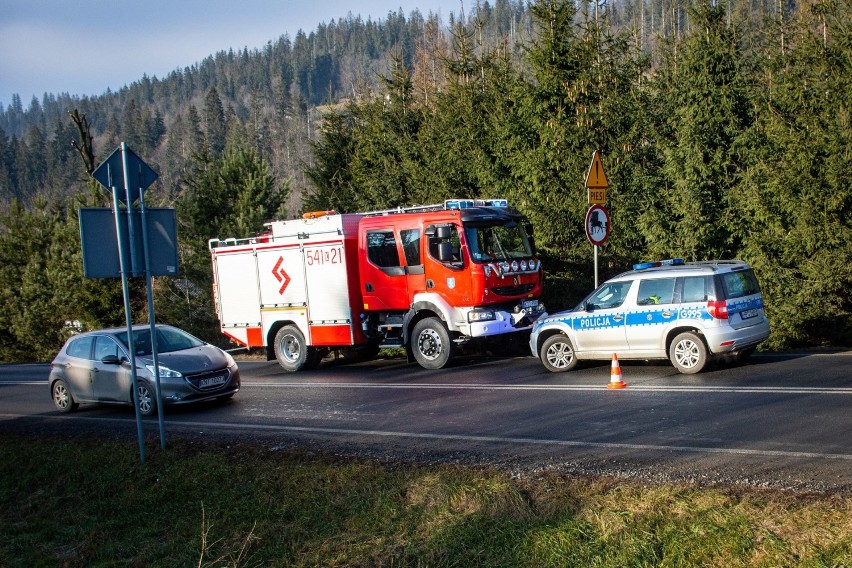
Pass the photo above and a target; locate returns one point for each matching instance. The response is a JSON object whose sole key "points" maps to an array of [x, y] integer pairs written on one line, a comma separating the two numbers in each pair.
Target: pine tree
{"points": [[704, 95], [794, 203], [215, 125]]}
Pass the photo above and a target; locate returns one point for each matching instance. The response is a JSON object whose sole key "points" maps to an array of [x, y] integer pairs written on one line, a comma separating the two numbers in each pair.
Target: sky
{"points": [[84, 47]]}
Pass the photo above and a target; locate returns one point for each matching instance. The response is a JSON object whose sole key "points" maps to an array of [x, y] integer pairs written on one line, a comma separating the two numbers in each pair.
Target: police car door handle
{"points": [[617, 317], [667, 314]]}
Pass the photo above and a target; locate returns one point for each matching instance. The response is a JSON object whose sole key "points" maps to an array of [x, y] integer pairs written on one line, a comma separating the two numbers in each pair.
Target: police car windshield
{"points": [[488, 243]]}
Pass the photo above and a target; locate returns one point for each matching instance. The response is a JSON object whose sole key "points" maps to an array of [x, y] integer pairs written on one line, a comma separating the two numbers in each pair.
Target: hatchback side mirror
{"points": [[111, 360]]}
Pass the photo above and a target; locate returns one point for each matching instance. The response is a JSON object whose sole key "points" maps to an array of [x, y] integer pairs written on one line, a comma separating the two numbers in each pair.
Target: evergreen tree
{"points": [[215, 126], [792, 209], [330, 173], [706, 111]]}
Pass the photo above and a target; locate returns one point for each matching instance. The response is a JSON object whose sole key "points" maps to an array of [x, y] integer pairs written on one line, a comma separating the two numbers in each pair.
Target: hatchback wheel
{"points": [[147, 400], [62, 397], [557, 354], [688, 353]]}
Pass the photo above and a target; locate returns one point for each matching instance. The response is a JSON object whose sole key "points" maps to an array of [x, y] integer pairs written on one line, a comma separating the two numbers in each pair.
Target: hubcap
{"points": [[687, 354], [560, 355], [429, 343], [145, 400], [290, 348], [60, 395]]}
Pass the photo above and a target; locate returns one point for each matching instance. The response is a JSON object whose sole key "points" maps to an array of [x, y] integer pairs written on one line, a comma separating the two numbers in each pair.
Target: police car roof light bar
{"points": [[668, 262]]}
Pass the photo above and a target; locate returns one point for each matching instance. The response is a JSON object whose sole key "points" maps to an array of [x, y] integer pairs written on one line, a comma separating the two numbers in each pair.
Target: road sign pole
{"points": [[152, 319], [596, 266], [134, 266], [122, 261]]}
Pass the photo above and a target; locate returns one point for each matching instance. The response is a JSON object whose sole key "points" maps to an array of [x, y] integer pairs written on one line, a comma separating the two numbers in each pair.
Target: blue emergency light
{"points": [[669, 262], [466, 203]]}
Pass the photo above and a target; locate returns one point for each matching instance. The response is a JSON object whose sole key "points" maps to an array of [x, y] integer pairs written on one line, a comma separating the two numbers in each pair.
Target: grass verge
{"points": [[90, 502]]}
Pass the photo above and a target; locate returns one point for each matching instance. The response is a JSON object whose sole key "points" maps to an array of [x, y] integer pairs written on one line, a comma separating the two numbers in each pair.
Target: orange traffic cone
{"points": [[615, 381]]}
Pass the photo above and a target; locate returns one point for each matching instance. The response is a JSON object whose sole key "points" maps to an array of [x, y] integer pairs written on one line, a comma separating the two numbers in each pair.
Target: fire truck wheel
{"points": [[431, 344], [290, 348]]}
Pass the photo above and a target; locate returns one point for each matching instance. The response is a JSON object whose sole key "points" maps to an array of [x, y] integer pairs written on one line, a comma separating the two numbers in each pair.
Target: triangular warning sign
{"points": [[596, 176]]}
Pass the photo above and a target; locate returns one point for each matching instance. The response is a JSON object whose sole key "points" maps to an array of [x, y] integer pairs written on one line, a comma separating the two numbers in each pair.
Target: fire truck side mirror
{"points": [[445, 252], [443, 232]]}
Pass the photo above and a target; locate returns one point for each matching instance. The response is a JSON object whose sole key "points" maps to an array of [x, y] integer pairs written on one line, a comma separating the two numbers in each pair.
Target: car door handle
{"points": [[617, 317], [667, 314]]}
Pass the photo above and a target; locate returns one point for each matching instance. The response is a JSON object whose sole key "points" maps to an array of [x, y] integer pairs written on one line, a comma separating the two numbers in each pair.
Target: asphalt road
{"points": [[780, 420]]}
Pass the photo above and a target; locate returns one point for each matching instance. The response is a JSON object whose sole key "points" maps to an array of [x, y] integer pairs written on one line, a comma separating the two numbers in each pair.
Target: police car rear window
{"points": [[739, 284], [697, 289]]}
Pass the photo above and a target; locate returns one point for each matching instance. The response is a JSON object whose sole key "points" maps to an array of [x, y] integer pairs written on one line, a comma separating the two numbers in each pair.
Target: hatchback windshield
{"points": [[497, 242], [168, 339]]}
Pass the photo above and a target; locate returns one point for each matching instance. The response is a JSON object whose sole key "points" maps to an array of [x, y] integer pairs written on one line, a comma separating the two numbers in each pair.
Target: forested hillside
{"points": [[725, 130]]}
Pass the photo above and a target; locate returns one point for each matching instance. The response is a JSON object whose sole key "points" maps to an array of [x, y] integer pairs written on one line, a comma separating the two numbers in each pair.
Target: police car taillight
{"points": [[718, 309]]}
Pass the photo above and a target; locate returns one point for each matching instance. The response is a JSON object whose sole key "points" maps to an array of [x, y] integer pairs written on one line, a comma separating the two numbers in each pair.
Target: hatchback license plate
{"points": [[746, 314], [212, 381]]}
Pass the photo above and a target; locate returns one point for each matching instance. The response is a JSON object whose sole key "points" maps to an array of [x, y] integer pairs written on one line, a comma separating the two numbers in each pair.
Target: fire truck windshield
{"points": [[505, 241]]}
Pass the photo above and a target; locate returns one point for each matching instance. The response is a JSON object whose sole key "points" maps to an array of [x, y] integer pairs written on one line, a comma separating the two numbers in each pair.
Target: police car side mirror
{"points": [[589, 307]]}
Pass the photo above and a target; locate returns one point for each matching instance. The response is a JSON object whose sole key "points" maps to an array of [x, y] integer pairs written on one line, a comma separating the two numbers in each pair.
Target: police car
{"points": [[688, 313]]}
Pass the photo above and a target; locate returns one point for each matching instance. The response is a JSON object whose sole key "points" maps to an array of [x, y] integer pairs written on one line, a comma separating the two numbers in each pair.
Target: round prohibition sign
{"points": [[598, 225]]}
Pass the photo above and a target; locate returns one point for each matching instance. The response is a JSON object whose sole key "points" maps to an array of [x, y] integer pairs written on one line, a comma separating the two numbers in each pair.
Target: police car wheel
{"points": [[431, 344], [557, 354], [688, 353]]}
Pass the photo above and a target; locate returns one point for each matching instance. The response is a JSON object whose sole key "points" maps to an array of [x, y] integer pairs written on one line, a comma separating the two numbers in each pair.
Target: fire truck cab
{"points": [[423, 278]]}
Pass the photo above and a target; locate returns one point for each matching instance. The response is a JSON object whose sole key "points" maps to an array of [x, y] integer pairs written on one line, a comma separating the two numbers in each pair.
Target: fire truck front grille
{"points": [[513, 290]]}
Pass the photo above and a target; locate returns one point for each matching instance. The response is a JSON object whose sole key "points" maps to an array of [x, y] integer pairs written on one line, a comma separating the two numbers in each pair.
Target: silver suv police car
{"points": [[686, 312]]}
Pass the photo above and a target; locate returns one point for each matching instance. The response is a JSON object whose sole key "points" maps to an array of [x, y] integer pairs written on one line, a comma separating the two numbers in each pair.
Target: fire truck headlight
{"points": [[480, 315]]}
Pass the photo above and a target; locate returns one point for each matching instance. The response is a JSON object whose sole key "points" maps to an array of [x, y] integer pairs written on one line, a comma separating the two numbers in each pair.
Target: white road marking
{"points": [[585, 387]]}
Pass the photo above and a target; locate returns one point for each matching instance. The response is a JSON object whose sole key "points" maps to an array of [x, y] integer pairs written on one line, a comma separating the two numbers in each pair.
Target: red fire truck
{"points": [[423, 278]]}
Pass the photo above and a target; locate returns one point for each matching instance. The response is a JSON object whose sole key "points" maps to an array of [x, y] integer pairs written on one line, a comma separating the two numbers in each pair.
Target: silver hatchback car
{"points": [[95, 367], [686, 312]]}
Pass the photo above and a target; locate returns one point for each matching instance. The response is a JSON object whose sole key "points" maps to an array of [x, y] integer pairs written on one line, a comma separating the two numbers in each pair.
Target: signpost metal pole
{"points": [[130, 164], [151, 318], [130, 343], [596, 266], [134, 266]]}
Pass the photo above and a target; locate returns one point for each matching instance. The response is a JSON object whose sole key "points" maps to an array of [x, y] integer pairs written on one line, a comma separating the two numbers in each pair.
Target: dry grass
{"points": [[89, 502]]}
